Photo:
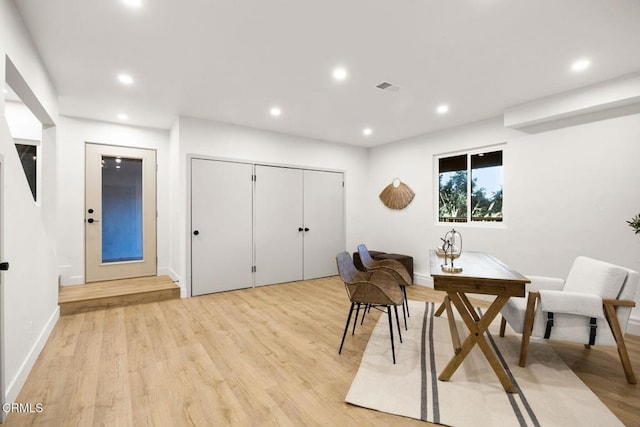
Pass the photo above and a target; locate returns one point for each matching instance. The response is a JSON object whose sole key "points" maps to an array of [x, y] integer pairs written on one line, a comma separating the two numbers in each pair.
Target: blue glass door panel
{"points": [[122, 196]]}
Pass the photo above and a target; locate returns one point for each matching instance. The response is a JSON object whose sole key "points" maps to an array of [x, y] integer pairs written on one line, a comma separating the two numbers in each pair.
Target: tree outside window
{"points": [[476, 200]]}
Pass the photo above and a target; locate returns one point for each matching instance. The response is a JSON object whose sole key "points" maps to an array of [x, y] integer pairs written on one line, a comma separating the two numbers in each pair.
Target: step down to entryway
{"points": [[116, 293]]}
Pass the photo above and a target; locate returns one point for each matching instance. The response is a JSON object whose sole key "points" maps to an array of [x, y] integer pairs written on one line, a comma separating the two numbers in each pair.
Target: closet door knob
{"points": [[306, 229], [299, 228], [196, 232]]}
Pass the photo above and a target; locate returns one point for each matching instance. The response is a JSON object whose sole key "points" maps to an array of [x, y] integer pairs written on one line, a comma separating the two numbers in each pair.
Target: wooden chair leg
{"points": [[622, 348], [503, 325], [528, 326]]}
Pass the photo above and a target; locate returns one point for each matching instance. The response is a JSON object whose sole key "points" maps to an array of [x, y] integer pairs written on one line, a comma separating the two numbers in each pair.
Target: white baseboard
{"points": [[65, 279], [168, 271], [633, 327], [423, 280], [14, 386], [72, 281]]}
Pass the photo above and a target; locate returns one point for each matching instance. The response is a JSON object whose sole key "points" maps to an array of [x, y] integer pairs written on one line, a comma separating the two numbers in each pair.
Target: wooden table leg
{"points": [[439, 310], [453, 328], [470, 307], [476, 336]]}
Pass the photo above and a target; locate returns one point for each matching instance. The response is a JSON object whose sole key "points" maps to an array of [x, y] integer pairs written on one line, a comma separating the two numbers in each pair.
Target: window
{"points": [[28, 158], [26, 131], [470, 187]]}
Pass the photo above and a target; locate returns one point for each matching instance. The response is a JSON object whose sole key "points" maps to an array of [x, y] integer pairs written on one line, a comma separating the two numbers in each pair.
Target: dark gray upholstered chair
{"points": [[391, 266], [372, 288]]}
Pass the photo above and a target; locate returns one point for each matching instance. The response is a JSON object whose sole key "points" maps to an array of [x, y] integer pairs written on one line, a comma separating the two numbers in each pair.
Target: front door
{"points": [[120, 212]]}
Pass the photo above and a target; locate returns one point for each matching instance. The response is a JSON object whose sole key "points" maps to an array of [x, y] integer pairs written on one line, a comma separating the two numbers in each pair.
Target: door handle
{"points": [[306, 229], [91, 220], [299, 228], [196, 232], [4, 266]]}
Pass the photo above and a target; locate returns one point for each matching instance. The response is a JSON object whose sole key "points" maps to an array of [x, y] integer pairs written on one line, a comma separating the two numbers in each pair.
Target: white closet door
{"points": [[221, 219], [324, 219], [277, 220]]}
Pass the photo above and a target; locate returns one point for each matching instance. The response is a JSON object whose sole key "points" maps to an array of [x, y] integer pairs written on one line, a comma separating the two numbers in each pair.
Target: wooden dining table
{"points": [[481, 274]]}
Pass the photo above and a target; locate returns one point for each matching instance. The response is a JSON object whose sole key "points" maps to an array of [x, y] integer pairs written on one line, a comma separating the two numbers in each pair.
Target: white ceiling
{"points": [[231, 60]]}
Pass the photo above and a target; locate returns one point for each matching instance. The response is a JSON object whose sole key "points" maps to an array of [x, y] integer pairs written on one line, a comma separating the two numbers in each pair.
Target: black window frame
{"points": [[478, 210]]}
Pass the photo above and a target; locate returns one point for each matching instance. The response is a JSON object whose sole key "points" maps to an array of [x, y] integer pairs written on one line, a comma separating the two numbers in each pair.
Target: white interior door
{"points": [[120, 212], [221, 226], [278, 225], [324, 222]]}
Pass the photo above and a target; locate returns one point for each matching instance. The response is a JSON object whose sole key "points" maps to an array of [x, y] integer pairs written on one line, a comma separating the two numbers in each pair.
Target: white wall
{"points": [[187, 136], [568, 192], [72, 135], [16, 43], [176, 206], [29, 289], [207, 138], [22, 123]]}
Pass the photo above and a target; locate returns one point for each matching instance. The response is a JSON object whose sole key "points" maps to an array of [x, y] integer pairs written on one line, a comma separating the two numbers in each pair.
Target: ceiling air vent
{"points": [[389, 87]]}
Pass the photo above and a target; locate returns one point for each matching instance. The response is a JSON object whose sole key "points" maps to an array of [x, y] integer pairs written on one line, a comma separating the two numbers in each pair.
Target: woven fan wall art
{"points": [[397, 195]]}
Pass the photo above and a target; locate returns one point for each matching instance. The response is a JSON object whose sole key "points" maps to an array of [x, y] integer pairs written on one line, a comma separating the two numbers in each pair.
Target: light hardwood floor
{"points": [[264, 356]]}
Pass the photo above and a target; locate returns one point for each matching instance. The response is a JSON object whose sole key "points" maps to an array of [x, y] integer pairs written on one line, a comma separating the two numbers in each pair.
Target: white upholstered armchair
{"points": [[592, 306]]}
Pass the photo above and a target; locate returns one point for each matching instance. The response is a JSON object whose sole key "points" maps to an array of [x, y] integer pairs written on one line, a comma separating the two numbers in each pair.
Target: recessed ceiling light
{"points": [[125, 79], [132, 3], [122, 116], [442, 109], [580, 65], [367, 131], [275, 111], [340, 74]]}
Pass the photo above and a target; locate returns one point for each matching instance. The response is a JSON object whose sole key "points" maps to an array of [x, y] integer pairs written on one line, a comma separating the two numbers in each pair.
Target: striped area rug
{"points": [[549, 393]]}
